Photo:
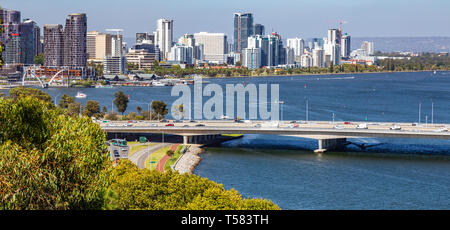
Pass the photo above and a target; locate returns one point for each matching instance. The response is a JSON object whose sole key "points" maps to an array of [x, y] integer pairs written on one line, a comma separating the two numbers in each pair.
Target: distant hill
{"points": [[414, 44]]}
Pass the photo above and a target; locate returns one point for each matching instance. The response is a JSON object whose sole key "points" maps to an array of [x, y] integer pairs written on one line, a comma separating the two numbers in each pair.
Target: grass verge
{"points": [[153, 159]]}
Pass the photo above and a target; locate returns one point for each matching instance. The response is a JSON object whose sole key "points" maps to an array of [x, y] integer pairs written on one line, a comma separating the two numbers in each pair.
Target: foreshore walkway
{"points": [[165, 158]]}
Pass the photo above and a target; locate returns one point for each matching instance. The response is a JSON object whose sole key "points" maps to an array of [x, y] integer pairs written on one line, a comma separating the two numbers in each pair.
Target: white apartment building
{"points": [[214, 46], [164, 36], [297, 44], [251, 58]]}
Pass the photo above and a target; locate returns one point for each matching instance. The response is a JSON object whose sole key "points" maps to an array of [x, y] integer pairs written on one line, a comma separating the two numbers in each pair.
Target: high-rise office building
{"points": [[297, 44], [53, 45], [251, 58], [276, 52], [334, 36], [346, 46], [164, 36], [99, 45], [318, 58], [332, 54], [214, 46], [182, 53], [10, 37], [75, 32], [243, 28], [29, 33], [259, 29], [187, 40], [117, 45]]}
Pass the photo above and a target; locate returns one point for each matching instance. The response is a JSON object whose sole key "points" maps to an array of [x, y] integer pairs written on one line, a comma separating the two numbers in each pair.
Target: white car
{"points": [[441, 130], [339, 127], [395, 127], [362, 126]]}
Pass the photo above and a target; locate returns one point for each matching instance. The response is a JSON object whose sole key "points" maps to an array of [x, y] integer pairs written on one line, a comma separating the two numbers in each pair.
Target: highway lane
{"points": [[140, 156]]}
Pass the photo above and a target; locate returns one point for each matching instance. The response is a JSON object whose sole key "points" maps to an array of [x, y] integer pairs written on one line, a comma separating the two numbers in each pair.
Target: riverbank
{"points": [[316, 74], [189, 160]]}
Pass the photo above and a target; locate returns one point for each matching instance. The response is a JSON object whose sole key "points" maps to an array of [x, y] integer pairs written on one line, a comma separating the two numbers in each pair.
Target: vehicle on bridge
{"points": [[362, 126], [395, 127]]}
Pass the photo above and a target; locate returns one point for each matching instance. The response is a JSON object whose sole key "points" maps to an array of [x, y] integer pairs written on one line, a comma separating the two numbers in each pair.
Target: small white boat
{"points": [[80, 95], [104, 86], [158, 83]]}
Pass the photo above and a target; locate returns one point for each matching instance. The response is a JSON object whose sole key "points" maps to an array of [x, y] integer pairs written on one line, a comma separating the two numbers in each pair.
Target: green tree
{"points": [[21, 92], [159, 108], [50, 161], [92, 108], [74, 109], [65, 101], [121, 101], [39, 59], [139, 110], [134, 188]]}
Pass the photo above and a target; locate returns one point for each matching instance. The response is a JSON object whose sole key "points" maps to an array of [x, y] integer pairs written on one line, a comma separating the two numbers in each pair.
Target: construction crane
{"points": [[115, 30]]}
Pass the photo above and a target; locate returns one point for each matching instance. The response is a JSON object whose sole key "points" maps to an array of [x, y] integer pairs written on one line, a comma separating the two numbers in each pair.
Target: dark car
{"points": [[164, 120], [116, 153], [199, 125]]}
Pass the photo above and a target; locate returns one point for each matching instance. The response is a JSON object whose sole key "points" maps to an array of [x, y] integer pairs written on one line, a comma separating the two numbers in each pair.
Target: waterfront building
{"points": [[276, 54], [10, 37], [30, 37], [214, 46], [346, 46], [114, 65], [318, 57], [243, 28], [306, 60], [297, 44], [117, 45], [332, 53], [182, 53], [141, 57], [251, 58], [75, 32], [232, 58], [290, 56], [368, 47], [99, 45], [334, 36], [164, 36], [53, 45], [259, 29]]}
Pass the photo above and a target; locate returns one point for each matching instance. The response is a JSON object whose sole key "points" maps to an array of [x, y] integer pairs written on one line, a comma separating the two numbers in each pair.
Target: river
{"points": [[391, 174]]}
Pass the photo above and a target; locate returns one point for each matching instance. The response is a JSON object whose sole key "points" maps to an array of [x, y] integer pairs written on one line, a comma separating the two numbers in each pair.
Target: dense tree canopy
{"points": [[49, 160], [134, 188]]}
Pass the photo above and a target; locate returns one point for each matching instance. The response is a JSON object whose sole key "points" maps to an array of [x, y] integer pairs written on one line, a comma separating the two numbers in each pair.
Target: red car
{"points": [[347, 123], [169, 125]]}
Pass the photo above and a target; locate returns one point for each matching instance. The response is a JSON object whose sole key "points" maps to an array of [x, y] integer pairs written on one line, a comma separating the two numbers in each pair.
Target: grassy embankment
{"points": [[136, 148], [153, 159], [174, 158]]}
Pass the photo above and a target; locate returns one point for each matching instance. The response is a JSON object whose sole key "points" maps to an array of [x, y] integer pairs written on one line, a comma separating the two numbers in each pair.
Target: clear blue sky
{"points": [[290, 18]]}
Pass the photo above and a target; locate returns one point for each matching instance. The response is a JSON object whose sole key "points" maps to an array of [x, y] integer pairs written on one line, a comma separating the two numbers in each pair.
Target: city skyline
{"points": [[289, 18]]}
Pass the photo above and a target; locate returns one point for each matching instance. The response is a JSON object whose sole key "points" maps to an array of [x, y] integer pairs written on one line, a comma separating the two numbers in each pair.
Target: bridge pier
{"points": [[330, 144]]}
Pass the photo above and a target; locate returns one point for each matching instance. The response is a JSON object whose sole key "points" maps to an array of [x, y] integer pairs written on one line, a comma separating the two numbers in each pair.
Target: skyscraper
{"points": [[243, 28], [346, 46], [164, 36], [334, 36], [75, 32], [99, 45], [10, 38], [259, 29], [53, 45], [297, 44], [251, 58], [30, 37]]}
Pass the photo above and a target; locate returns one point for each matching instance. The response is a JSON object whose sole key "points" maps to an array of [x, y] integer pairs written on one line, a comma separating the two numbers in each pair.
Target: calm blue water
{"points": [[392, 174]]}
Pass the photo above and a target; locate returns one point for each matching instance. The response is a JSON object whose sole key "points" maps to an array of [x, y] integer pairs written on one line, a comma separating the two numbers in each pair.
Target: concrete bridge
{"points": [[330, 135]]}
